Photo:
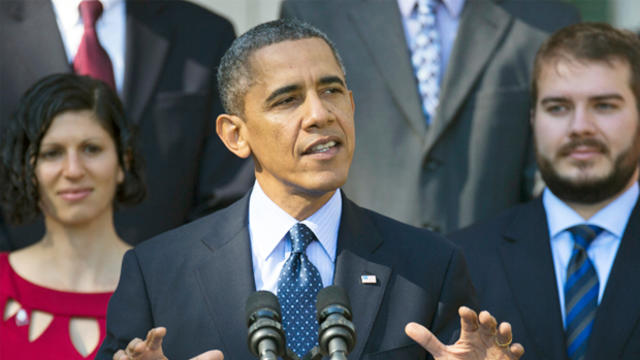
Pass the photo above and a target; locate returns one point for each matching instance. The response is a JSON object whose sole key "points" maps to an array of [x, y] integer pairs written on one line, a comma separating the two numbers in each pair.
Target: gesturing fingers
{"points": [[504, 337], [210, 355], [425, 338], [154, 338], [468, 320], [120, 355], [131, 349]]}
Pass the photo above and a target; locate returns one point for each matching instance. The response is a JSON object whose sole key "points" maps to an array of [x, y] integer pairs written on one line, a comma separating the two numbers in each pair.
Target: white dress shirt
{"points": [[110, 27], [447, 20], [268, 225], [602, 252]]}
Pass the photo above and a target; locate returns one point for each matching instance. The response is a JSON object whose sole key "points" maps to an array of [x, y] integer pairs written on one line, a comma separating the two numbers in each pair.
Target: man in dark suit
{"points": [[169, 55], [529, 263], [453, 170], [289, 108]]}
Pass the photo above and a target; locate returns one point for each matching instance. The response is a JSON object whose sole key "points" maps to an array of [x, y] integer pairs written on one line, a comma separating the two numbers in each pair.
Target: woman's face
{"points": [[77, 169]]}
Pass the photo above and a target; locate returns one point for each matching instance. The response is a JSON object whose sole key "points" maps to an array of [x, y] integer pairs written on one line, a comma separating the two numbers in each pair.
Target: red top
{"points": [[55, 342]]}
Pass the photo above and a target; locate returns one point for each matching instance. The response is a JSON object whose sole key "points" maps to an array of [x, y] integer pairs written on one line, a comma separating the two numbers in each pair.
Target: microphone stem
{"points": [[338, 355], [265, 351]]}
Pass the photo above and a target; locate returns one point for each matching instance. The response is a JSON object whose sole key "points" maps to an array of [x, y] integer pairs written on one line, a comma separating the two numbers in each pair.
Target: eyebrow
{"points": [[613, 96], [326, 80], [282, 90], [331, 80]]}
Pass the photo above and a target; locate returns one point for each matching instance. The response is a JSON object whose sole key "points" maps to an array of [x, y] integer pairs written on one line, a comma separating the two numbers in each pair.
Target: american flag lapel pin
{"points": [[368, 279]]}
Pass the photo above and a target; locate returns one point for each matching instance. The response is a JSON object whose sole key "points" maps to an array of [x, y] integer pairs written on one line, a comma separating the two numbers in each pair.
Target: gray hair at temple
{"points": [[234, 73]]}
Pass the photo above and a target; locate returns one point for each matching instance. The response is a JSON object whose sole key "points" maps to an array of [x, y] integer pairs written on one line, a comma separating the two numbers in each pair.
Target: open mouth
{"points": [[322, 146]]}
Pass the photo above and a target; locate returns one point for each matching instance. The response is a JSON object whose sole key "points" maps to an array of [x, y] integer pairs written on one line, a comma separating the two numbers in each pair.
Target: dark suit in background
{"points": [[511, 265], [171, 54], [476, 158], [197, 287]]}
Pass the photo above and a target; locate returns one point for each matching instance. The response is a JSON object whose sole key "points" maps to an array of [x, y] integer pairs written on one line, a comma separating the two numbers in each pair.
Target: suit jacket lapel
{"points": [[482, 27], [619, 308], [147, 46], [357, 240], [390, 53], [526, 257], [34, 21], [226, 288]]}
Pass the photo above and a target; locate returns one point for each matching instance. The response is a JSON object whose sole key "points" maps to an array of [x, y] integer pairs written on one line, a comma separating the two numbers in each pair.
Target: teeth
{"points": [[323, 147]]}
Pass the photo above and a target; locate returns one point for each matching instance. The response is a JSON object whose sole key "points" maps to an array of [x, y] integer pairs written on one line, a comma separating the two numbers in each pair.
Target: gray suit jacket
{"points": [[172, 51], [197, 287], [476, 158]]}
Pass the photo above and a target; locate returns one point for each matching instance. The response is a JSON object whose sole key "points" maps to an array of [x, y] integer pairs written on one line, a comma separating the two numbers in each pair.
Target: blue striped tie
{"points": [[580, 292], [298, 286]]}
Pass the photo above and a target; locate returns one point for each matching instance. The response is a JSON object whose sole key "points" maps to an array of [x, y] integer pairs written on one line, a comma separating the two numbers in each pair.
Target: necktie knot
{"points": [[584, 234], [301, 236], [90, 10], [427, 7]]}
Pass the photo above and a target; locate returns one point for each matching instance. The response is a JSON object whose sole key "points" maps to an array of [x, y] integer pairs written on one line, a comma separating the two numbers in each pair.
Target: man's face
{"points": [[587, 129], [299, 119]]}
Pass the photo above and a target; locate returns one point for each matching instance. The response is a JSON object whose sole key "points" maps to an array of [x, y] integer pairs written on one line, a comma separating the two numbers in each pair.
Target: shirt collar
{"points": [[612, 218], [68, 13], [268, 230], [454, 7]]}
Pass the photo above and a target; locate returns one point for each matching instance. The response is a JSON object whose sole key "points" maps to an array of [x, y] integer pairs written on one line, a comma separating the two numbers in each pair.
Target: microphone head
{"points": [[262, 304], [333, 299]]}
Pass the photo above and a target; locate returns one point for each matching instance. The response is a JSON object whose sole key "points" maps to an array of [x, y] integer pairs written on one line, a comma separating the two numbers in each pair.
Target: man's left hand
{"points": [[480, 339]]}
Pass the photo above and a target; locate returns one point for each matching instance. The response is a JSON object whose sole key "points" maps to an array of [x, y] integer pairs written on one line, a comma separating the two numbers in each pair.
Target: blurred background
{"points": [[246, 13]]}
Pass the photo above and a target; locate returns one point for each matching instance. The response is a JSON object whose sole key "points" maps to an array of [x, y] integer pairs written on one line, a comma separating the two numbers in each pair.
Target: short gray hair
{"points": [[234, 73]]}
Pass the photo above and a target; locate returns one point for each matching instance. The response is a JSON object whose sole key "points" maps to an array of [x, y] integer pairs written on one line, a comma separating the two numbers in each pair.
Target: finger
{"points": [[468, 319], [425, 338], [517, 351], [130, 349], [504, 335], [210, 355], [154, 338], [487, 323], [120, 355]]}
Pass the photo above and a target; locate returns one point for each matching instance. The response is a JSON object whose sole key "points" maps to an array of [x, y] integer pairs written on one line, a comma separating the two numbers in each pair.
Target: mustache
{"points": [[571, 146]]}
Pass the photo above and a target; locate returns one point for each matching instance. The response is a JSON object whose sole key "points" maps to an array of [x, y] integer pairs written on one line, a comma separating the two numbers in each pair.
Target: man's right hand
{"points": [[151, 349]]}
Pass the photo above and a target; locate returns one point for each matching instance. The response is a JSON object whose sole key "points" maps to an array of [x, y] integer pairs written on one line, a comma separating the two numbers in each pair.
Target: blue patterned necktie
{"points": [[580, 292], [425, 57], [298, 286]]}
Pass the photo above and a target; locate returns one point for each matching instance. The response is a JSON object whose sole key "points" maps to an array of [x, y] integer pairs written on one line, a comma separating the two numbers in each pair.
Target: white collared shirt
{"points": [[111, 29], [602, 252], [447, 19], [268, 225]]}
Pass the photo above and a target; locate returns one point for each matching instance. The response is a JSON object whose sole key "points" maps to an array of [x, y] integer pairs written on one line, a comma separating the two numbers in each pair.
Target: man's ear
{"points": [[532, 115], [232, 132]]}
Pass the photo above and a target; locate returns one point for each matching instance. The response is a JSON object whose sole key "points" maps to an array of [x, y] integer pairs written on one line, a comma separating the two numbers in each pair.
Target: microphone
{"points": [[336, 335], [266, 338]]}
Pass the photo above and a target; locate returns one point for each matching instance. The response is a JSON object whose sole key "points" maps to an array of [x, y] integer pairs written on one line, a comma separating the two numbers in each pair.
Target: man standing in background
{"points": [[443, 103], [161, 57], [563, 269]]}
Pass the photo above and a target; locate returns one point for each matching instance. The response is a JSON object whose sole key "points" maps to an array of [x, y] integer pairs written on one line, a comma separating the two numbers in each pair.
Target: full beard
{"points": [[591, 190]]}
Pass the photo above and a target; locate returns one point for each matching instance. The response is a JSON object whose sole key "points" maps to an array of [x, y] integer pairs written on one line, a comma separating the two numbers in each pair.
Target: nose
{"points": [[73, 168], [317, 114], [583, 122]]}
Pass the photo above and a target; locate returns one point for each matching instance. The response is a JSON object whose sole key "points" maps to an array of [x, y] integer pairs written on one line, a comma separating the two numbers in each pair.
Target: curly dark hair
{"points": [[39, 105]]}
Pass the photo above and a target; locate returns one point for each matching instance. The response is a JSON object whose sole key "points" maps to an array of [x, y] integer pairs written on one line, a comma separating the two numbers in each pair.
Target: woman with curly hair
{"points": [[69, 155]]}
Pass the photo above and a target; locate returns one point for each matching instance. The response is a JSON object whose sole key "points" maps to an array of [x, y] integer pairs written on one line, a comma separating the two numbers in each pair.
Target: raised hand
{"points": [[151, 349], [479, 339]]}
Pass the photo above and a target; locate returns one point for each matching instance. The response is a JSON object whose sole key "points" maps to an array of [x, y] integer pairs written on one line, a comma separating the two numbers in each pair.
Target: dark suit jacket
{"points": [[476, 158], [172, 51], [511, 265], [198, 289]]}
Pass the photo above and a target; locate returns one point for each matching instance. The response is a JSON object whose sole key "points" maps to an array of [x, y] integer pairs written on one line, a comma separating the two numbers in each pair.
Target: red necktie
{"points": [[91, 58]]}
